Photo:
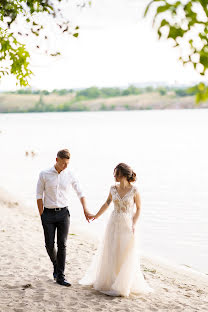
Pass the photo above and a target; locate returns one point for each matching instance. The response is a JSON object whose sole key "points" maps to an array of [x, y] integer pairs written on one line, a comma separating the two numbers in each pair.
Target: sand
{"points": [[26, 282]]}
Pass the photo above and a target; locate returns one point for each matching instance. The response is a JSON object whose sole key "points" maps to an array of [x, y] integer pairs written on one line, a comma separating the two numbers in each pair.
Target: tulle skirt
{"points": [[115, 268]]}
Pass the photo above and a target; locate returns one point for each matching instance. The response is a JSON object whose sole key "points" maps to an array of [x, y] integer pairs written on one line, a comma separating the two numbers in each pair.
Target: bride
{"points": [[115, 269]]}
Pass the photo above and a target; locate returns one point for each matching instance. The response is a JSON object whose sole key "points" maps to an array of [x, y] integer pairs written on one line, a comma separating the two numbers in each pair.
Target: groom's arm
{"points": [[39, 193], [76, 186], [40, 206], [86, 212]]}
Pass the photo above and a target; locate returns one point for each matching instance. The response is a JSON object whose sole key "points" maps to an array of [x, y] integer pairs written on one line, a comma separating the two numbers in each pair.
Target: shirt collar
{"points": [[53, 169]]}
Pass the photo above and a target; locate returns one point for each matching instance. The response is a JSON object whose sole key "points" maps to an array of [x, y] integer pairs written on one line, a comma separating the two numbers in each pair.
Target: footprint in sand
{"points": [[10, 286], [26, 286], [199, 291], [38, 298], [83, 306]]}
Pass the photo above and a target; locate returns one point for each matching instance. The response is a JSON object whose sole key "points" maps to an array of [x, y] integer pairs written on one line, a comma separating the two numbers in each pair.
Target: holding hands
{"points": [[88, 216], [92, 217]]}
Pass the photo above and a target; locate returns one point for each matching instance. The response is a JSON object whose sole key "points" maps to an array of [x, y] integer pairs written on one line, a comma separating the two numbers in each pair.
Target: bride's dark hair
{"points": [[125, 171]]}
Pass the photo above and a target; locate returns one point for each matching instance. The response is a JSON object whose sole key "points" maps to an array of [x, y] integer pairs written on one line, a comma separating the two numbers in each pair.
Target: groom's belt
{"points": [[55, 209]]}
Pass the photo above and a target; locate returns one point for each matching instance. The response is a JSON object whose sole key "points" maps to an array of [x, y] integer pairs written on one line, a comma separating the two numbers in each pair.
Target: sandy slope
{"points": [[26, 282]]}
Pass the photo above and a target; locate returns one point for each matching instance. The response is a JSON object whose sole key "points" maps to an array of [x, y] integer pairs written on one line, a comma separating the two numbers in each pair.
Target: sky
{"points": [[116, 47]]}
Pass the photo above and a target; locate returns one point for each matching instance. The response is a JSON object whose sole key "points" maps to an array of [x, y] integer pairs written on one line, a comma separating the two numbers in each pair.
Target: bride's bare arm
{"points": [[104, 207], [138, 208]]}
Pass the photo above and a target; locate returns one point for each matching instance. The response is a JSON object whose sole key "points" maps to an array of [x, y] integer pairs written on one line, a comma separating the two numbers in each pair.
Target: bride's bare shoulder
{"points": [[112, 189], [135, 189]]}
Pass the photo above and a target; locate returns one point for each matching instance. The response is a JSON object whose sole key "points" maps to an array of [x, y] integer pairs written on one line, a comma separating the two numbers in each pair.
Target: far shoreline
{"points": [[73, 102], [109, 111]]}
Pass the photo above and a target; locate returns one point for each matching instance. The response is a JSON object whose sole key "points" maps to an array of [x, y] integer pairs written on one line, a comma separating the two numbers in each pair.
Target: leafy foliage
{"points": [[186, 23], [17, 55], [20, 19]]}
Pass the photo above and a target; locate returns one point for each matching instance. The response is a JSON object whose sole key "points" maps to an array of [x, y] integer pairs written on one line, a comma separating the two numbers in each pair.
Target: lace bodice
{"points": [[124, 204]]}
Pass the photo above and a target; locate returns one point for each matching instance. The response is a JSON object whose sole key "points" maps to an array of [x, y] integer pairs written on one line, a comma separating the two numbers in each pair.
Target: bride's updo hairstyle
{"points": [[123, 170]]}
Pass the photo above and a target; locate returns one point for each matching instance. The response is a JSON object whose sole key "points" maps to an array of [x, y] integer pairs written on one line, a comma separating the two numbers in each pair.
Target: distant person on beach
{"points": [[115, 269], [52, 200]]}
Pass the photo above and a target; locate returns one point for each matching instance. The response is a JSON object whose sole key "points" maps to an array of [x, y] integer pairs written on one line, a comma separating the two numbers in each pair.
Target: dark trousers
{"points": [[56, 220]]}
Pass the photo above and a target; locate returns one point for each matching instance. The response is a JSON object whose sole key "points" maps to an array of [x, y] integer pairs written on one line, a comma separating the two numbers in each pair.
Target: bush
{"points": [[24, 91], [162, 91], [110, 92], [131, 90], [181, 92], [149, 89], [89, 93]]}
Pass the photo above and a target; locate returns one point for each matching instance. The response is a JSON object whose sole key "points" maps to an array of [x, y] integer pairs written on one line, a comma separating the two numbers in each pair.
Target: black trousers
{"points": [[56, 220]]}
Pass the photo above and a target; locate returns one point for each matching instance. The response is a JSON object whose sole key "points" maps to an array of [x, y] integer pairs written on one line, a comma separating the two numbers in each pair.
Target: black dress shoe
{"points": [[63, 282]]}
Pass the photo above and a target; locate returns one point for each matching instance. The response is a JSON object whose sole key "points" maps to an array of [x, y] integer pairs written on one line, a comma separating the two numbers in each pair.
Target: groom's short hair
{"points": [[63, 154]]}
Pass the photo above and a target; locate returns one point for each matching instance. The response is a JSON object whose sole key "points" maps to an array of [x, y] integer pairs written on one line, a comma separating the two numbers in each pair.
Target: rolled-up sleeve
{"points": [[40, 187], [76, 186]]}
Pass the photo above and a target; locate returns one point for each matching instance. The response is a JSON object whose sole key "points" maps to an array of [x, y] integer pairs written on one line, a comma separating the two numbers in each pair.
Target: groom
{"points": [[52, 200]]}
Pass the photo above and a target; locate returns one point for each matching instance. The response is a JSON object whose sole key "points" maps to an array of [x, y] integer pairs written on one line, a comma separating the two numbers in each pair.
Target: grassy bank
{"points": [[16, 103]]}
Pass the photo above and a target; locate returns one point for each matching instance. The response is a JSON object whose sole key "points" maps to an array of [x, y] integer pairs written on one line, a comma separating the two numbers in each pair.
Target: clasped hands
{"points": [[89, 216]]}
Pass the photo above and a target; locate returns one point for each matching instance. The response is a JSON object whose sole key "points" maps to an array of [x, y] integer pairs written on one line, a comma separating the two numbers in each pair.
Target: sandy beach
{"points": [[26, 282]]}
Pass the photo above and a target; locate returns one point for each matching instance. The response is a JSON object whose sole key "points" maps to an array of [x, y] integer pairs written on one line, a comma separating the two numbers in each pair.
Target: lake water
{"points": [[167, 149]]}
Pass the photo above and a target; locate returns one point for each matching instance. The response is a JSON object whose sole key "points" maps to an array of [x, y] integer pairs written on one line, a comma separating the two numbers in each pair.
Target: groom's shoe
{"points": [[63, 282]]}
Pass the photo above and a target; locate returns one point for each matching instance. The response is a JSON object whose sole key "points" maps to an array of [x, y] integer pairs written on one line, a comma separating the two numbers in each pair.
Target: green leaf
{"points": [[204, 60], [163, 8], [175, 32], [164, 22]]}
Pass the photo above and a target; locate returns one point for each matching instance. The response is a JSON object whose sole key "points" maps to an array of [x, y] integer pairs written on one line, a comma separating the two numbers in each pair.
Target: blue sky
{"points": [[116, 47]]}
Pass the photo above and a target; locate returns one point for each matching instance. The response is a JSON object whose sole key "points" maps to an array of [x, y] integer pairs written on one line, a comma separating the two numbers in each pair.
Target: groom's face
{"points": [[62, 163]]}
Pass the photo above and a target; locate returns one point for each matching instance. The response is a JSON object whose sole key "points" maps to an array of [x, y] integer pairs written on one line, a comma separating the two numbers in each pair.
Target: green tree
{"points": [[185, 22], [62, 91], [89, 93], [24, 91], [131, 90], [45, 92], [110, 92], [162, 90], [148, 89], [20, 19], [181, 92]]}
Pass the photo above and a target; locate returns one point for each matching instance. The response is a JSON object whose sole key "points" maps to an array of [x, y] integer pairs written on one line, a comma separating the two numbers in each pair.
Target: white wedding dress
{"points": [[115, 269]]}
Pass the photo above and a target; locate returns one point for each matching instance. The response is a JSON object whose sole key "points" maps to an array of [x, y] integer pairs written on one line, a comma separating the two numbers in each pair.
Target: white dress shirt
{"points": [[53, 187]]}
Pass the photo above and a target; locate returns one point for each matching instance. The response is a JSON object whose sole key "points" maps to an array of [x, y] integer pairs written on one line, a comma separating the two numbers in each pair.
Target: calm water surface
{"points": [[167, 149]]}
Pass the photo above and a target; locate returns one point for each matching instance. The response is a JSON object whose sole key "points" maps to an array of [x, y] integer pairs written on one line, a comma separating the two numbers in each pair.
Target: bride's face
{"points": [[118, 177]]}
